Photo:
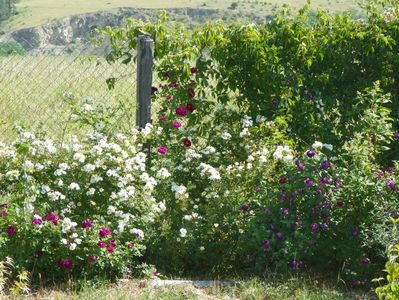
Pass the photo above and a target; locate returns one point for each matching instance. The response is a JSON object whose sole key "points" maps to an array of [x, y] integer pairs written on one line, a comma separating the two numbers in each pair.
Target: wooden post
{"points": [[144, 80]]}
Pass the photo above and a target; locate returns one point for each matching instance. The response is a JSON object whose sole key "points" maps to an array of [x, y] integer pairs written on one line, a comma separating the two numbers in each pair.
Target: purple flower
{"points": [[395, 215], [324, 225], [244, 207], [325, 165], [266, 211], [279, 236], [308, 182], [285, 211], [167, 74], [283, 180], [295, 263], [300, 165], [389, 182], [258, 188], [104, 232], [65, 263], [390, 169], [314, 227], [87, 223], [311, 153], [324, 180], [355, 232], [275, 104], [176, 124], [162, 150], [266, 245], [365, 261]]}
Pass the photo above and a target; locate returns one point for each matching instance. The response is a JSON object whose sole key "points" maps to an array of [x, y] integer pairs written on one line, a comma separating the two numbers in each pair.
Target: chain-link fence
{"points": [[33, 87]]}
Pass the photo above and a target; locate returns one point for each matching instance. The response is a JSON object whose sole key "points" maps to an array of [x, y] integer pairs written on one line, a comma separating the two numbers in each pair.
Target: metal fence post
{"points": [[144, 80]]}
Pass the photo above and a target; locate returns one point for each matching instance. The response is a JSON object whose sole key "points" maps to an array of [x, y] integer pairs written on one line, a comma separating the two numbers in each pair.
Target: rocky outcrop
{"points": [[76, 30]]}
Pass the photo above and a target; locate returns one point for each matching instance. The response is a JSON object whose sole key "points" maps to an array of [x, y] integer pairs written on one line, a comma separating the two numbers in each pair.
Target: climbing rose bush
{"points": [[79, 207]]}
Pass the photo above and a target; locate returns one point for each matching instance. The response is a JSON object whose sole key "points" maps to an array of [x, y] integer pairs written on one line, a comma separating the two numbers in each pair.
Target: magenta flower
{"points": [[131, 244], [181, 111], [4, 205], [191, 92], [54, 218], [167, 74], [194, 70], [10, 230], [102, 244], [104, 231], [162, 150], [65, 263], [162, 119], [87, 223], [37, 221], [3, 213], [173, 85], [190, 107], [396, 135], [244, 207], [110, 248], [187, 143], [314, 227], [176, 124]]}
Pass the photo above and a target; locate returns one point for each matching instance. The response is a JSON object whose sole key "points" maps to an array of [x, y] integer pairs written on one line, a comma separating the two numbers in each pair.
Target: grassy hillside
{"points": [[37, 12]]}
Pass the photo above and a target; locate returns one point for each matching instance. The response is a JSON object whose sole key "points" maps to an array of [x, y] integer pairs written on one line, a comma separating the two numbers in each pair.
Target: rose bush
{"points": [[80, 207]]}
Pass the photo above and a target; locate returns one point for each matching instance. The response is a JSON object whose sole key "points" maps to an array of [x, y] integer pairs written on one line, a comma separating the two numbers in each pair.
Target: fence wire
{"points": [[33, 87]]}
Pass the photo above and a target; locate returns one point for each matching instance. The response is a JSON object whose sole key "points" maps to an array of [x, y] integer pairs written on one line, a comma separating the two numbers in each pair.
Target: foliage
{"points": [[391, 289], [11, 48], [303, 75]]}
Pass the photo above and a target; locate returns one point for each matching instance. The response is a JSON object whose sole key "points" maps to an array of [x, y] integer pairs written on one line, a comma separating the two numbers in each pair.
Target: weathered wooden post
{"points": [[144, 79]]}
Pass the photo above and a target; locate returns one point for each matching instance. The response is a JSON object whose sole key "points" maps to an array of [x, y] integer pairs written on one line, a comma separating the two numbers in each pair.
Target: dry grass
{"points": [[37, 12], [32, 88]]}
